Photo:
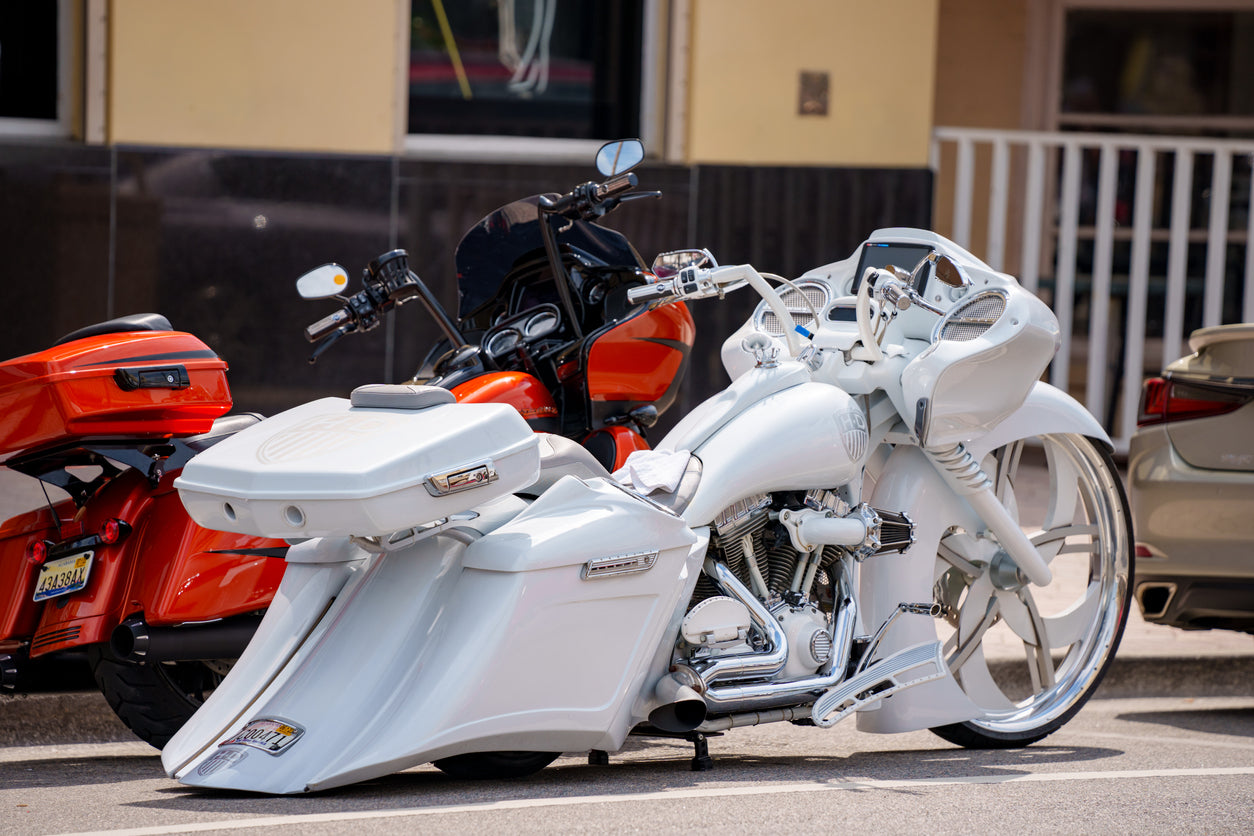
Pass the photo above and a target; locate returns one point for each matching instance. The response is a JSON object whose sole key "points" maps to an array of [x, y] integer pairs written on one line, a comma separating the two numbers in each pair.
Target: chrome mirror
{"points": [[668, 264], [948, 272], [323, 282], [619, 156]]}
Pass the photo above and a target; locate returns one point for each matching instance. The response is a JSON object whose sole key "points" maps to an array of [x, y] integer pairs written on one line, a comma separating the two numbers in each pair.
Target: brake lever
{"points": [[335, 337]]}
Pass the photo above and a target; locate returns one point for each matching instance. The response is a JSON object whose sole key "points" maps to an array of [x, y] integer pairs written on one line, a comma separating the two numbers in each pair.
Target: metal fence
{"points": [[1135, 241]]}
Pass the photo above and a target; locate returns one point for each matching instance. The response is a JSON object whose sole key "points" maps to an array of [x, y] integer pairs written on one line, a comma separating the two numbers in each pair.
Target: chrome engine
{"points": [[770, 624]]}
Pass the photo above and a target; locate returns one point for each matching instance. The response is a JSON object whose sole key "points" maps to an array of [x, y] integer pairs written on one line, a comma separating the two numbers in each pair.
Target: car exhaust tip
{"points": [[1155, 598]]}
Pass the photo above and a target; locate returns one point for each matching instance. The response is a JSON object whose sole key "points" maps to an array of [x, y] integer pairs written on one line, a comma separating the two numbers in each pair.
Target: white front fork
{"points": [[964, 474]]}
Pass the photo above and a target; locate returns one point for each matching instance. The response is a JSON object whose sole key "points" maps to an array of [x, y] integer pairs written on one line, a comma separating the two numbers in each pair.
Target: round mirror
{"points": [[619, 156]]}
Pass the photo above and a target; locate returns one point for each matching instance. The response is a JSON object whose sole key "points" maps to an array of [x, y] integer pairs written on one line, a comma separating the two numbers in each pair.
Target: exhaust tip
{"points": [[682, 708], [8, 672], [129, 640], [1154, 598]]}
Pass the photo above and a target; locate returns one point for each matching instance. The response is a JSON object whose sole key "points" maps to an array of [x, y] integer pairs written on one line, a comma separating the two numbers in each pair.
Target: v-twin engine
{"points": [[770, 624]]}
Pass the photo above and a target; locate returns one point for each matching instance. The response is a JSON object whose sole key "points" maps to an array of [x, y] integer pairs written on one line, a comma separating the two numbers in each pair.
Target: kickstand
{"points": [[701, 761]]}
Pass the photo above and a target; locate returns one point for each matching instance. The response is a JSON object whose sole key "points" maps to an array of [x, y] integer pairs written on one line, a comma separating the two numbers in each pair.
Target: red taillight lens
{"points": [[110, 532], [1164, 401], [37, 552]]}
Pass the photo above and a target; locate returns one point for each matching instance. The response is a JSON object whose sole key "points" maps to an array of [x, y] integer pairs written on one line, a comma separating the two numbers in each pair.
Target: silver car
{"points": [[1191, 473]]}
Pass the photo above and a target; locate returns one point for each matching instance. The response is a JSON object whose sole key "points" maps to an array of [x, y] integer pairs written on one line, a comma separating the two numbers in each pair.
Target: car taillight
{"points": [[1164, 401]]}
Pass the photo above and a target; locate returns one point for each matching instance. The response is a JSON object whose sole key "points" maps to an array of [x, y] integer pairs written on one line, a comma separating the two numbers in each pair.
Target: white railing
{"points": [[1057, 208]]}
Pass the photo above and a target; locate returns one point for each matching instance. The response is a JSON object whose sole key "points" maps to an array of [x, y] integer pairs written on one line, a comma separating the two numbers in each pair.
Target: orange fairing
{"points": [[145, 384], [638, 359], [518, 389]]}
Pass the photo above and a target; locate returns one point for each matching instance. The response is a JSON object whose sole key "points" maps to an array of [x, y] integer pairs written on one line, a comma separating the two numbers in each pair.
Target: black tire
{"points": [[481, 766], [153, 700], [1101, 524]]}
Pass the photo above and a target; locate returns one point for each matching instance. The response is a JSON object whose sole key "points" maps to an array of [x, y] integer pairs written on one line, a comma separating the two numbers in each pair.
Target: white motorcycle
{"points": [[838, 532]]}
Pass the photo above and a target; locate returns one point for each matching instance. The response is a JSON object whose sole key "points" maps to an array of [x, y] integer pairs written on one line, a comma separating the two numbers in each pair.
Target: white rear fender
{"points": [[540, 635], [317, 572]]}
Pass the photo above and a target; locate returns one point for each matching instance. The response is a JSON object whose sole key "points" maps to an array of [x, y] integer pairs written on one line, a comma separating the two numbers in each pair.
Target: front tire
{"points": [[154, 700], [1051, 645]]}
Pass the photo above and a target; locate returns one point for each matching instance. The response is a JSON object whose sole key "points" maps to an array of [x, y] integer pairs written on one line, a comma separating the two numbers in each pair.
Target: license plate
{"points": [[63, 575], [271, 736]]}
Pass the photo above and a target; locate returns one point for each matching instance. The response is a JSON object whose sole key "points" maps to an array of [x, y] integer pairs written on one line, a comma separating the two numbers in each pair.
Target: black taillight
{"points": [[1164, 401]]}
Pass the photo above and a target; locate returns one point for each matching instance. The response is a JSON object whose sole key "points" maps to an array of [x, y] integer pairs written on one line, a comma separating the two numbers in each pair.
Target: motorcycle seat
{"points": [[134, 322], [559, 456], [222, 427]]}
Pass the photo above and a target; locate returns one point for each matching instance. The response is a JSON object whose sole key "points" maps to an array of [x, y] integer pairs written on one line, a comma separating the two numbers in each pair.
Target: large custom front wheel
{"points": [[1031, 656]]}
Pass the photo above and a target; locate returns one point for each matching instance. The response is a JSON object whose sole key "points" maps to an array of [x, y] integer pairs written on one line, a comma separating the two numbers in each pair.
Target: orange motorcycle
{"points": [[107, 417], [544, 323]]}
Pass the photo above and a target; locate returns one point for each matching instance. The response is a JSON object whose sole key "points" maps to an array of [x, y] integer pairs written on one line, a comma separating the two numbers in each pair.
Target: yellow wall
{"points": [[980, 63], [746, 58], [280, 74]]}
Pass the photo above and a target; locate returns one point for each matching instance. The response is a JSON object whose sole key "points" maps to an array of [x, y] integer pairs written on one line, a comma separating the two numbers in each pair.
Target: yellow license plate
{"points": [[63, 575]]}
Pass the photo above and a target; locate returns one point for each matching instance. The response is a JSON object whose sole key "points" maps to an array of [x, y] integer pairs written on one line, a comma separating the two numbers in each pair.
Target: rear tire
{"points": [[154, 700], [1064, 634], [480, 766]]}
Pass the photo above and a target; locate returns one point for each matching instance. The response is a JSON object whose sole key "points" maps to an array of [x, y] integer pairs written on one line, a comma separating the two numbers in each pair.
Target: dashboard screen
{"points": [[905, 256]]}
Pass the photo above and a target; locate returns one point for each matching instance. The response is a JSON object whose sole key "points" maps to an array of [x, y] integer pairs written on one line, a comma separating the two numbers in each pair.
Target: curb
{"points": [[41, 719]]}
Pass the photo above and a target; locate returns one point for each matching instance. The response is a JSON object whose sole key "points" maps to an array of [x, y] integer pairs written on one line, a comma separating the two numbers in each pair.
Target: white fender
{"points": [[1047, 409], [910, 483]]}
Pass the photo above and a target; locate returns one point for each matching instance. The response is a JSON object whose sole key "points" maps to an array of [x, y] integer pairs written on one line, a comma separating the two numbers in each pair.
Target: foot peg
{"points": [[904, 669]]}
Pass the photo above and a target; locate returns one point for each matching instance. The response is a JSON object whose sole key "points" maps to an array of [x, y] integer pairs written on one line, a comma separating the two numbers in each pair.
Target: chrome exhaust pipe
{"points": [[748, 697], [136, 641], [681, 709], [746, 665]]}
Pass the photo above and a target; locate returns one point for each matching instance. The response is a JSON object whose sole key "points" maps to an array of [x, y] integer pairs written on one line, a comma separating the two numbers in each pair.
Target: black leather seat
{"points": [[134, 322]]}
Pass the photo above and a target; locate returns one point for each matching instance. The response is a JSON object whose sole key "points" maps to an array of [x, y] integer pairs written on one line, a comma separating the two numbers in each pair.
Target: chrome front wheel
{"points": [[1031, 656]]}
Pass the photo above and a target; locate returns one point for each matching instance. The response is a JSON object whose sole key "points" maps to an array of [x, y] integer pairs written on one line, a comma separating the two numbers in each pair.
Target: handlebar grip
{"points": [[327, 324], [644, 293], [616, 185]]}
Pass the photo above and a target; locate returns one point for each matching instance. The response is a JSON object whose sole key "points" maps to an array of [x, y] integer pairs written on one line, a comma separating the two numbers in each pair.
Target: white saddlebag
{"points": [[392, 458]]}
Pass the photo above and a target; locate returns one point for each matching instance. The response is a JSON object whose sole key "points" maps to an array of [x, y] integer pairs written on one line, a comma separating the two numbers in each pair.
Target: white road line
{"points": [[1183, 741], [666, 795]]}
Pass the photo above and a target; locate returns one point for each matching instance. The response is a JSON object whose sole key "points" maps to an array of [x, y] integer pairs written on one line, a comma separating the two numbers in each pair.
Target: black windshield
{"points": [[511, 236]]}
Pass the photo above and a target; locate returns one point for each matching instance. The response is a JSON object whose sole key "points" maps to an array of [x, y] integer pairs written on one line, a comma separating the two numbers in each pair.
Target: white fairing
{"points": [[444, 648], [959, 389]]}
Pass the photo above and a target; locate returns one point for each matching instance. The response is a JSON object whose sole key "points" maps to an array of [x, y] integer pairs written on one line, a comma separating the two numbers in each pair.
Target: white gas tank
{"points": [[806, 436]]}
